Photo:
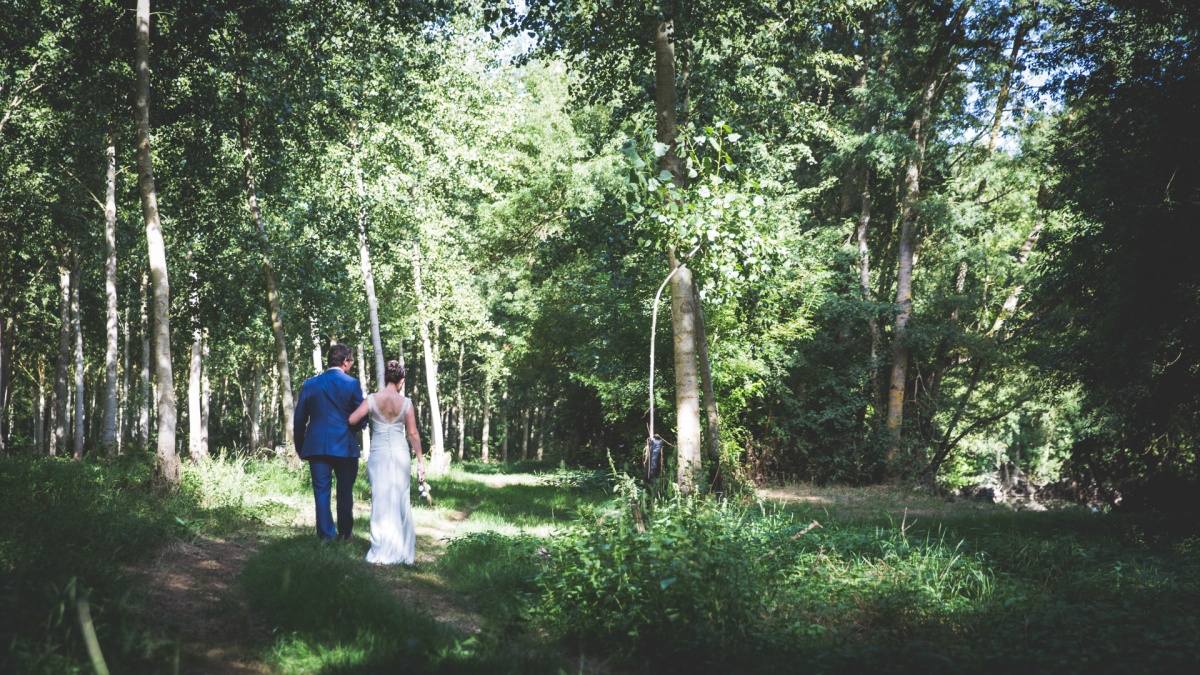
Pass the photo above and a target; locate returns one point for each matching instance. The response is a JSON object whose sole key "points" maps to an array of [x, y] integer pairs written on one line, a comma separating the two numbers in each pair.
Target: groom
{"points": [[324, 438]]}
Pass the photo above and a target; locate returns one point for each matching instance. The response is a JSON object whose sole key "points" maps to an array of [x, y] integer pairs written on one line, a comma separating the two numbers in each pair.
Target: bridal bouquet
{"points": [[423, 490]]}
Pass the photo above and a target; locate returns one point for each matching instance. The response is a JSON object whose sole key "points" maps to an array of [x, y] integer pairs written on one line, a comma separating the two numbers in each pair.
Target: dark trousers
{"points": [[323, 469]]}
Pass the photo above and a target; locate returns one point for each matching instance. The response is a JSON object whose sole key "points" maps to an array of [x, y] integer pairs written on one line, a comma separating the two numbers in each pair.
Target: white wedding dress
{"points": [[393, 535]]}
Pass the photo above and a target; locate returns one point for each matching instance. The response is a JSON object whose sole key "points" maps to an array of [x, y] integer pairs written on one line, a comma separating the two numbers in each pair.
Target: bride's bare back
{"points": [[390, 403]]}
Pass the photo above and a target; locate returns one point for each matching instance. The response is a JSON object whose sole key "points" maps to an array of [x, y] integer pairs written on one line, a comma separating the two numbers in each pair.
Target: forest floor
{"points": [[225, 576], [193, 588]]}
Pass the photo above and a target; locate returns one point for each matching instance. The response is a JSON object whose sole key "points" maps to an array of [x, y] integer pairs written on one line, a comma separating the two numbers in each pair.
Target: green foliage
{"points": [[78, 529], [710, 585], [335, 617]]}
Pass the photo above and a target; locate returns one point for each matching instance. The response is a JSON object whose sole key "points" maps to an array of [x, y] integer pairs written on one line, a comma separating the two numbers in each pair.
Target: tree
{"points": [[168, 460]]}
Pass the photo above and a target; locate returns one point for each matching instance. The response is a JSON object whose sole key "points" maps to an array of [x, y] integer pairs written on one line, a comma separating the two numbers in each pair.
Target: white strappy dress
{"points": [[393, 535]]}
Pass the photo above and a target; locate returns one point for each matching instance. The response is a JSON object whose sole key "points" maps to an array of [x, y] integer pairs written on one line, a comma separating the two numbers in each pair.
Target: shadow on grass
{"points": [[335, 617], [70, 532]]}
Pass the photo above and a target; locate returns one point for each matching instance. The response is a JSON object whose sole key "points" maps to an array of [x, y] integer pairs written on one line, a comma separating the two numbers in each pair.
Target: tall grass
{"points": [[73, 531], [711, 585], [335, 617]]}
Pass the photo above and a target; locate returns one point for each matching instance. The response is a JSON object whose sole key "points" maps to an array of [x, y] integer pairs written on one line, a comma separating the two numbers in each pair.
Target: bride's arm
{"points": [[414, 439], [361, 412]]}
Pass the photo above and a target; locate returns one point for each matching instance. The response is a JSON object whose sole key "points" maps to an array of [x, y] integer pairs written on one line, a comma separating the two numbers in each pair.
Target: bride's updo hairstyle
{"points": [[393, 373]]}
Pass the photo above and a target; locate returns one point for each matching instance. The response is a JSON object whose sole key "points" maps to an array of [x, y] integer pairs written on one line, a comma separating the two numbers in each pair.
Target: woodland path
{"points": [[193, 590]]}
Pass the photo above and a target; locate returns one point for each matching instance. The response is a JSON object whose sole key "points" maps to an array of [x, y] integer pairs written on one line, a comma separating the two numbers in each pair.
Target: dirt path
{"points": [[194, 595]]}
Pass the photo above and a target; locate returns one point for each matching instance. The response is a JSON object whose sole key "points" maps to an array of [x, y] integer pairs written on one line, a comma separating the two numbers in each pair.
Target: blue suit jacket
{"points": [[321, 425]]}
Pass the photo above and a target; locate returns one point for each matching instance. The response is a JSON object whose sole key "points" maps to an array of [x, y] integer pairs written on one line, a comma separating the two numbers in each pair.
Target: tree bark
{"points": [[58, 412], [39, 409], [439, 459], [687, 394], [920, 132], [504, 425], [109, 437], [525, 442], [196, 365], [256, 409], [541, 433], [362, 382], [205, 401], [143, 430], [364, 255], [864, 275], [77, 329], [123, 397], [458, 401], [273, 302], [316, 341], [168, 460], [5, 332], [712, 429], [1010, 304], [665, 98], [487, 416], [1002, 97]]}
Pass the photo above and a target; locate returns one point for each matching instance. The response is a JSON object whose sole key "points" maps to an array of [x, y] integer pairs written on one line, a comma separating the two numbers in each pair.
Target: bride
{"points": [[393, 535]]}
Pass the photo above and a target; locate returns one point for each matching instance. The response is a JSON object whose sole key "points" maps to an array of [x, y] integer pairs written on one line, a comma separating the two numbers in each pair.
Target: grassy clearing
{"points": [[547, 570]]}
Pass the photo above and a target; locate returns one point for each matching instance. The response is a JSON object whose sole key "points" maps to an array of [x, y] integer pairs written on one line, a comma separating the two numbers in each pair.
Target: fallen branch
{"points": [[811, 526]]}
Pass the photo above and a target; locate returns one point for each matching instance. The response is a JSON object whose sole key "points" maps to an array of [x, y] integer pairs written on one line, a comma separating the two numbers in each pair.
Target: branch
{"points": [[85, 188], [801, 533], [18, 99]]}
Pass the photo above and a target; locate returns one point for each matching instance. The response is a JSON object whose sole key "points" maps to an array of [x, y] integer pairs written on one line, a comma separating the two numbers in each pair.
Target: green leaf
{"points": [[666, 582], [665, 176]]}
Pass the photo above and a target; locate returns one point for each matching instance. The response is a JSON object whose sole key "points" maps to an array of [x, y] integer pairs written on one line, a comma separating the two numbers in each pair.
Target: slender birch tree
{"points": [[168, 459]]}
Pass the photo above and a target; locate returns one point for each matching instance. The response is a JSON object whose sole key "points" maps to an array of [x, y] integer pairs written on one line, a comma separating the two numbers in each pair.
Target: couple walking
{"points": [[331, 408]]}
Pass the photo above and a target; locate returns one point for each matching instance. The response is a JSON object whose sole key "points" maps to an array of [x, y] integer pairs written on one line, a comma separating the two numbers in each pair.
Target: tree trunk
{"points": [[1010, 304], [504, 425], [1002, 97], [273, 302], [541, 433], [4, 332], [143, 432], [920, 132], [362, 382], [487, 415], [195, 365], [58, 412], [77, 329], [712, 430], [400, 358], [458, 401], [864, 276], [39, 410], [123, 396], [364, 255], [256, 409], [439, 459], [687, 386], [205, 402], [316, 341], [168, 460], [109, 438], [271, 419], [525, 442], [194, 387], [665, 98]]}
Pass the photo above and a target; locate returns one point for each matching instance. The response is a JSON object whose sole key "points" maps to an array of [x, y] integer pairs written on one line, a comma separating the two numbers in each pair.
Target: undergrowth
{"points": [[715, 585], [74, 529]]}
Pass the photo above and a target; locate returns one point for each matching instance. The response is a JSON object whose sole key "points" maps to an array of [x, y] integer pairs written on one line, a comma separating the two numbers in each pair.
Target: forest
{"points": [[857, 263]]}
